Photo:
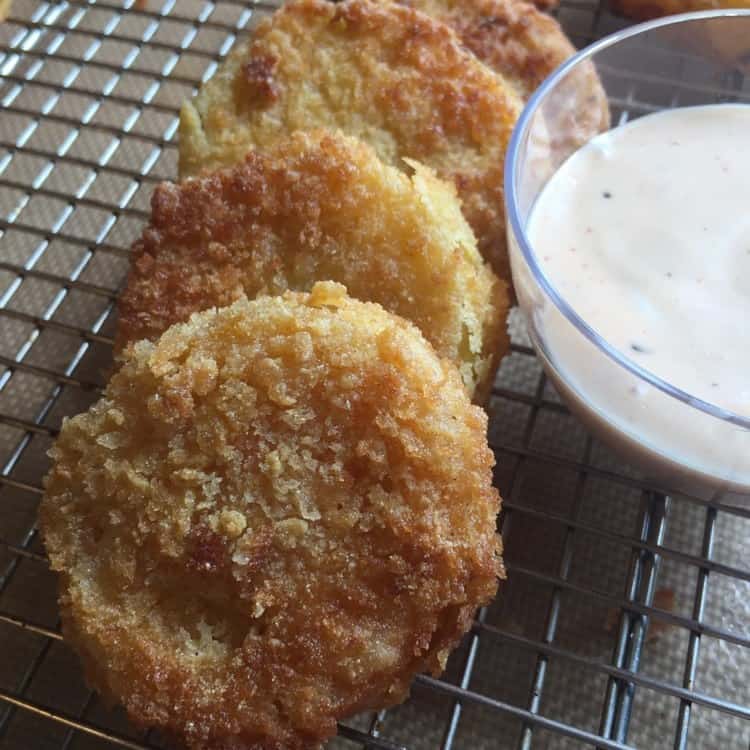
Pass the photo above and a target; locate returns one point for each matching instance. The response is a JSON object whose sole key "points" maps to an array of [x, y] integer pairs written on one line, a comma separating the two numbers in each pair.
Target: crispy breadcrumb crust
{"points": [[389, 75], [524, 45], [320, 206], [274, 517]]}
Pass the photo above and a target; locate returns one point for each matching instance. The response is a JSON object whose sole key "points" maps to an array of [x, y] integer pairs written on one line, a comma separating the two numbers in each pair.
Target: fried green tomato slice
{"points": [[275, 516], [386, 74], [320, 206]]}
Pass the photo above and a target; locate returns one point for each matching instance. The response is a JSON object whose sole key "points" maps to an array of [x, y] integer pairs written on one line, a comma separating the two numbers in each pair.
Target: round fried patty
{"points": [[275, 516], [320, 206], [389, 75]]}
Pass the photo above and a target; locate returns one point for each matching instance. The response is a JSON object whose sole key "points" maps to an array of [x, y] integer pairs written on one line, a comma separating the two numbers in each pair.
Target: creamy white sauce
{"points": [[646, 233]]}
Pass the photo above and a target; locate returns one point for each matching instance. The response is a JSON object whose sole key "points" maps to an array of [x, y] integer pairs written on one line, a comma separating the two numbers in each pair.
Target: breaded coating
{"points": [[319, 206], [274, 518], [389, 75], [511, 36], [644, 10], [518, 41], [525, 46]]}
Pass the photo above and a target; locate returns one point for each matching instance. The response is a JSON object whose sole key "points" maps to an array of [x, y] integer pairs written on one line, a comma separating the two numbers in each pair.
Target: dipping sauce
{"points": [[645, 232]]}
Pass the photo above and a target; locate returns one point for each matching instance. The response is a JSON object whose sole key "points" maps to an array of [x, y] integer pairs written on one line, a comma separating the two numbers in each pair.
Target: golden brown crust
{"points": [[510, 36], [319, 206], [274, 517], [514, 39], [387, 74], [645, 10]]}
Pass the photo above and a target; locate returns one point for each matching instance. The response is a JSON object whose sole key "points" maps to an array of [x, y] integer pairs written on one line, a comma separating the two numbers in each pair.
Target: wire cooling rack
{"points": [[625, 621]]}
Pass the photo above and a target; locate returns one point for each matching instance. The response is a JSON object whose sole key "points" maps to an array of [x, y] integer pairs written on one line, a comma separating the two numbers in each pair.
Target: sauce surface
{"points": [[645, 232]]}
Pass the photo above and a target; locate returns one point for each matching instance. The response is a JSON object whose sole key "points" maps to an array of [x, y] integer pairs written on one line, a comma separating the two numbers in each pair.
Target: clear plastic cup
{"points": [[688, 60]]}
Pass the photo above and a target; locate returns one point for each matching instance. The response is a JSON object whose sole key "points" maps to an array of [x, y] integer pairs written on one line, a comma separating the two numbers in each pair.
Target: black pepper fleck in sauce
{"points": [[606, 194], [640, 349]]}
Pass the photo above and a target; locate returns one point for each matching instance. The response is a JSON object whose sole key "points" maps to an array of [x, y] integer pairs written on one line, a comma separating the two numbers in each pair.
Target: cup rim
{"points": [[519, 136]]}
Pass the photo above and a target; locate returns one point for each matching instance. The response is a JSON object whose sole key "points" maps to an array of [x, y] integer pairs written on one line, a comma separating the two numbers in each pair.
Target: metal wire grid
{"points": [[89, 95]]}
